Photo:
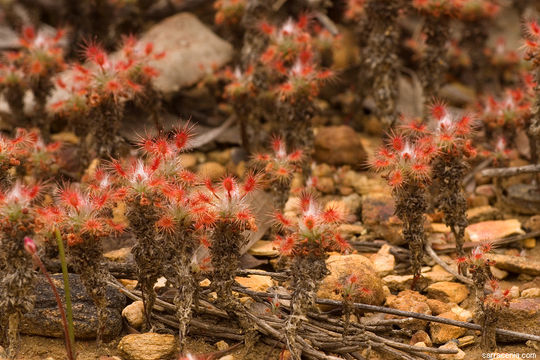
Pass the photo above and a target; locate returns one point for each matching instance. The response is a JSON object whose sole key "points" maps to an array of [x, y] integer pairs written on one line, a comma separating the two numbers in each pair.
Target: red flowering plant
{"points": [[32, 68], [306, 239], [14, 152], [355, 10], [227, 220], [295, 77], [229, 12], [405, 161], [532, 54], [17, 275], [505, 61], [437, 15], [85, 219], [487, 305], [452, 135], [98, 90], [279, 167]]}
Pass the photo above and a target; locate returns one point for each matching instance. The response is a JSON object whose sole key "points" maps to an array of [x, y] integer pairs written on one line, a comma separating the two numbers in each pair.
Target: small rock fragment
{"points": [[441, 333], [437, 306], [421, 336], [451, 345], [148, 346], [255, 282], [383, 261], [498, 273], [531, 293], [222, 345], [447, 291], [491, 230], [339, 145], [409, 300], [264, 248], [134, 314]]}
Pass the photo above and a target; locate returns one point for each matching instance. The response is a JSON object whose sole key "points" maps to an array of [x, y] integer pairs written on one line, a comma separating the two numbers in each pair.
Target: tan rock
{"points": [[531, 293], [326, 185], [438, 274], [211, 170], [491, 230], [440, 228], [353, 202], [398, 282], [529, 243], [256, 282], [438, 307], [447, 291], [498, 273], [264, 248], [341, 268], [119, 255], [482, 213], [193, 51], [487, 190], [188, 160], [466, 340], [339, 145], [420, 336], [66, 137], [220, 156], [129, 284], [463, 314], [516, 264], [134, 314], [441, 333], [352, 229], [409, 300], [148, 346], [227, 357], [384, 261], [532, 223], [222, 345], [452, 346]]}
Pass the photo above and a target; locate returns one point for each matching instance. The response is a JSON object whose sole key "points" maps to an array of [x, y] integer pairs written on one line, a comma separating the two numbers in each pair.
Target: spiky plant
{"points": [[84, 222], [405, 162], [279, 168], [17, 275], [306, 240]]}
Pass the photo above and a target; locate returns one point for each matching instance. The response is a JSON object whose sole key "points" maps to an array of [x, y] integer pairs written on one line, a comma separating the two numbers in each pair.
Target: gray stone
{"points": [[45, 319]]}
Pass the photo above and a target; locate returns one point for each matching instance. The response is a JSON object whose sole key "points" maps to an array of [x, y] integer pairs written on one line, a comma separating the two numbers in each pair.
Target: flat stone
{"points": [[384, 261], [491, 230], [192, 51], [255, 282], [421, 336], [341, 268], [482, 213], [398, 282], [119, 255], [438, 274], [148, 346], [339, 145], [531, 293], [264, 248], [522, 315], [440, 228], [463, 314], [447, 291], [351, 229], [441, 333], [466, 340], [364, 184], [45, 320], [516, 264]]}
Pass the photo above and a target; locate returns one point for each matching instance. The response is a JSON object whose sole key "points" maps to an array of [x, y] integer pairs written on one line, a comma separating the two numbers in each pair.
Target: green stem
{"points": [[67, 292]]}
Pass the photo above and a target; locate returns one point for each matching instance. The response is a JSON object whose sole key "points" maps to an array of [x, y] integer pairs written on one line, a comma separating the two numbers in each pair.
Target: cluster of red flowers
{"points": [[511, 111], [499, 55], [407, 156], [105, 77], [240, 83], [314, 231], [41, 56], [280, 165], [229, 11], [290, 55], [532, 42], [477, 258]]}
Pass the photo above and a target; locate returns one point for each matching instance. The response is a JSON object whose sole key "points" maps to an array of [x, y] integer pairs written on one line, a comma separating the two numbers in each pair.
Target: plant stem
{"points": [[67, 337], [67, 292]]}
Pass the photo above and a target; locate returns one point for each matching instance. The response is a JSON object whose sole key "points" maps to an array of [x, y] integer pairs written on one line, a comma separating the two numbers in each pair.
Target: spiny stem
{"points": [[67, 292]]}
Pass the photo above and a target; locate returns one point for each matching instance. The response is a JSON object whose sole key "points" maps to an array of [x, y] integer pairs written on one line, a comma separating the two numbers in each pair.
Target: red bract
{"points": [[405, 159], [532, 42], [315, 229], [15, 202], [279, 165]]}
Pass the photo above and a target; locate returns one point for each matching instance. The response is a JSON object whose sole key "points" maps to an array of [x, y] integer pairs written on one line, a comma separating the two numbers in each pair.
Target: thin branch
{"points": [[511, 171], [446, 267]]}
